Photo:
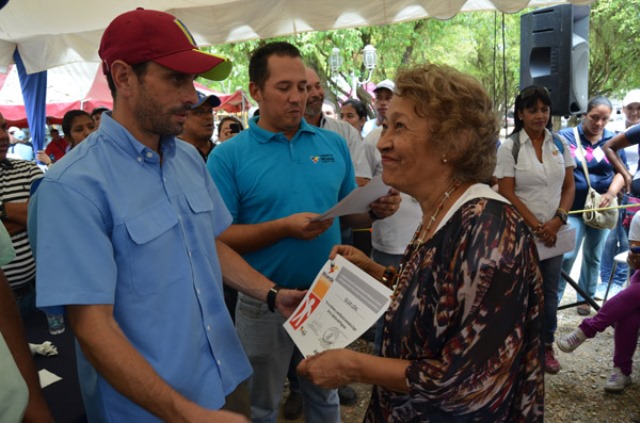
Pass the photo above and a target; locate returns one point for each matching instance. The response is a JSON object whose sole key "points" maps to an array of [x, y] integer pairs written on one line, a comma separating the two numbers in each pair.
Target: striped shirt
{"points": [[16, 177]]}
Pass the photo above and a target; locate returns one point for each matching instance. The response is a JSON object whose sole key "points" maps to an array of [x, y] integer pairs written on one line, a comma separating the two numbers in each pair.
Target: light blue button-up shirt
{"points": [[110, 224]]}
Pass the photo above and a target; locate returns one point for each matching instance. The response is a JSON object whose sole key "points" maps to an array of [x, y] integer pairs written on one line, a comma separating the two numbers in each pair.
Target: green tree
{"points": [[614, 52], [484, 44]]}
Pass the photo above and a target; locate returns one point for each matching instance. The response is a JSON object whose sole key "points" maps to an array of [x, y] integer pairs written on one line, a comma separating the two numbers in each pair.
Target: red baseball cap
{"points": [[149, 35]]}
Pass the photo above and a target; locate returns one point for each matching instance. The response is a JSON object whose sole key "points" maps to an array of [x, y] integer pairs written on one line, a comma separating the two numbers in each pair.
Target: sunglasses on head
{"points": [[533, 90]]}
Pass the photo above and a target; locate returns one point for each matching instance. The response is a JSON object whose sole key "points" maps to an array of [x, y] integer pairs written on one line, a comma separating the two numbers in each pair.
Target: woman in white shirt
{"points": [[535, 173]]}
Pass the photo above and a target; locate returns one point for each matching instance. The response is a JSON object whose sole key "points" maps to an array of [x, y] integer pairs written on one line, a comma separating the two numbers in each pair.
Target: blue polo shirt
{"points": [[601, 172], [111, 225], [262, 176], [633, 135]]}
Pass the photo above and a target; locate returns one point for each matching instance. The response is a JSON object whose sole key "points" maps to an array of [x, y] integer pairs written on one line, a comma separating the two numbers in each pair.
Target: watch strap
{"points": [[271, 297]]}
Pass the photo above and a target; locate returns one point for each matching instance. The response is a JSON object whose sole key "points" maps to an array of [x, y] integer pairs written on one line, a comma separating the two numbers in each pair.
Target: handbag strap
{"points": [[576, 135]]}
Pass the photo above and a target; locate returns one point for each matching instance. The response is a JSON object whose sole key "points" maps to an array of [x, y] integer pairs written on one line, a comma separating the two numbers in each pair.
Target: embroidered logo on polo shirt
{"points": [[323, 158]]}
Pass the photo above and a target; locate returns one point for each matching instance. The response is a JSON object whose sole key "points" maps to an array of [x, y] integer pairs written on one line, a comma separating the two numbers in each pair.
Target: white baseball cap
{"points": [[387, 84], [632, 96]]}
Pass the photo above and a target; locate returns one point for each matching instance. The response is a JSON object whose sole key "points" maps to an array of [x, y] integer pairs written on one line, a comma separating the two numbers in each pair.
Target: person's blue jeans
{"points": [[594, 240], [26, 300], [616, 243], [550, 270], [385, 260], [270, 350]]}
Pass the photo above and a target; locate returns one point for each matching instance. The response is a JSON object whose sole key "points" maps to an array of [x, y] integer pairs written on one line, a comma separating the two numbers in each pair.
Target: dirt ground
{"points": [[574, 395]]}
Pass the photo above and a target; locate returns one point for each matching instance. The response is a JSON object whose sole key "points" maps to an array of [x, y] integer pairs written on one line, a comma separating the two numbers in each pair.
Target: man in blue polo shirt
{"points": [[124, 230], [275, 178]]}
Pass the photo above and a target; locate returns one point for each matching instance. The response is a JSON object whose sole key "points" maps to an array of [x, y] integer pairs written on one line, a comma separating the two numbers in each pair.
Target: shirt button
{"points": [[198, 290], [149, 154], [219, 362], [209, 328], [139, 158]]}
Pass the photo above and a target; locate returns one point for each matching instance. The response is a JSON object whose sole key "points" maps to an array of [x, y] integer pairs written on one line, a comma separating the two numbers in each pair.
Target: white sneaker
{"points": [[600, 291], [570, 342], [617, 381]]}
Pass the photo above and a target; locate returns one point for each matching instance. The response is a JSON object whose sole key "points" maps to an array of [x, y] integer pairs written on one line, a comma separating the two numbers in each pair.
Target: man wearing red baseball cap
{"points": [[148, 35], [131, 254]]}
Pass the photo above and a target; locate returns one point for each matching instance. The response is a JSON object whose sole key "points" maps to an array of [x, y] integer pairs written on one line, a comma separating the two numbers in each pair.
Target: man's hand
{"points": [[287, 300], [43, 157], [37, 411], [387, 205], [196, 414], [300, 225]]}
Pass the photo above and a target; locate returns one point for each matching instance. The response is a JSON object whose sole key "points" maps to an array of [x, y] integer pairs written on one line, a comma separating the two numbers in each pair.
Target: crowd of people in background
{"points": [[76, 125], [197, 240]]}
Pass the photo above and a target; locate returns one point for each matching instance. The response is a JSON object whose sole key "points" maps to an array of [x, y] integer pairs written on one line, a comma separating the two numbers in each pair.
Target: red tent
{"points": [[80, 86]]}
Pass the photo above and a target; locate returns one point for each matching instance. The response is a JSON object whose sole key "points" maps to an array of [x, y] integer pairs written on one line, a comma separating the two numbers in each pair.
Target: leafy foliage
{"points": [[483, 44]]}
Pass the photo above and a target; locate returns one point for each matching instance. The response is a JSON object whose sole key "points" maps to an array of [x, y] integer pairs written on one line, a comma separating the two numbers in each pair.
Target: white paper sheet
{"points": [[341, 305], [358, 200], [565, 242], [47, 378]]}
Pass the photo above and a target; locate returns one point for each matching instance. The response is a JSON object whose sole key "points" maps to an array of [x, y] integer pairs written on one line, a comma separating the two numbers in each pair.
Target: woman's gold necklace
{"points": [[419, 240], [443, 199]]}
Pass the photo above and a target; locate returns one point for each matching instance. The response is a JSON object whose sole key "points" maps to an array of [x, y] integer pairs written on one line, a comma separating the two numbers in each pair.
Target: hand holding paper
{"points": [[342, 303], [358, 200], [306, 225]]}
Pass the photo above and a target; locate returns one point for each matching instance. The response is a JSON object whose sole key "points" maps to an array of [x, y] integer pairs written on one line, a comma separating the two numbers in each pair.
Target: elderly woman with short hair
{"points": [[462, 337]]}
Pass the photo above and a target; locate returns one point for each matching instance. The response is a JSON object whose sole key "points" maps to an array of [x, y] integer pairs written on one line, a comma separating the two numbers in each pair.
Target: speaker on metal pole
{"points": [[554, 52]]}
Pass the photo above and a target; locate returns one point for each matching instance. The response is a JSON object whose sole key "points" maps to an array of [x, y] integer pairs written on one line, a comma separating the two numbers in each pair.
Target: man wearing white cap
{"points": [[131, 252], [383, 93], [630, 110], [19, 149]]}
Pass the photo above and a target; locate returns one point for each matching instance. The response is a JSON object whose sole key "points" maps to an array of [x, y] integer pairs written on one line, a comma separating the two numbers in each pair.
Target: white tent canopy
{"points": [[57, 32]]}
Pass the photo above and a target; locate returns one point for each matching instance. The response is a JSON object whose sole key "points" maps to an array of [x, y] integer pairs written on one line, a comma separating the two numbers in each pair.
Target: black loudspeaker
{"points": [[554, 52]]}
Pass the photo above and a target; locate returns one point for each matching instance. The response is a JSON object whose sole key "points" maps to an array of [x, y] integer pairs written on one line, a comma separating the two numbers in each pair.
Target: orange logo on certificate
{"points": [[310, 303]]}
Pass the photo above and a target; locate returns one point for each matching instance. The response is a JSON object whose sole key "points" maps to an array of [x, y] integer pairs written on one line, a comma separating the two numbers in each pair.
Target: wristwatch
{"points": [[562, 215], [271, 297]]}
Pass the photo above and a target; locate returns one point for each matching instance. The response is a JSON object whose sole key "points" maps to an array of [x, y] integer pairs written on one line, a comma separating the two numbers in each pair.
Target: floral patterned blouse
{"points": [[468, 317]]}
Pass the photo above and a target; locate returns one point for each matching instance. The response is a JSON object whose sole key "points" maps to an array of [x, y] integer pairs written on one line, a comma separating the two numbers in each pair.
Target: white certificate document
{"points": [[358, 200], [565, 242], [342, 303]]}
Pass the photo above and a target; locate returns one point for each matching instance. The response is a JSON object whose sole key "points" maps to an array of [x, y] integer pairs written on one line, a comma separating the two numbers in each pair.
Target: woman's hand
{"points": [[354, 255], [548, 232], [329, 369], [628, 180], [605, 200]]}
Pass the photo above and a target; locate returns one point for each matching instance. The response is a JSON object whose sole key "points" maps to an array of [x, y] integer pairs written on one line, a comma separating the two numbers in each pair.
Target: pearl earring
{"points": [[444, 159]]}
